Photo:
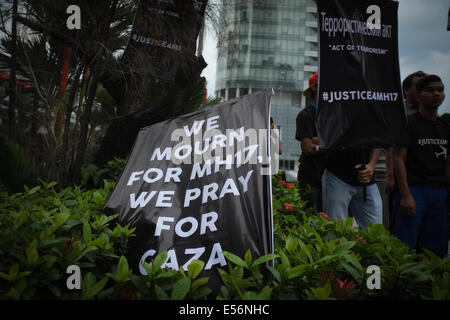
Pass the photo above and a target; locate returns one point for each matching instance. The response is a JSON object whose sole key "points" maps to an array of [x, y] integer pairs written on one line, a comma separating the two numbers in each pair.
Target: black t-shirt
{"points": [[426, 159], [311, 166], [342, 164]]}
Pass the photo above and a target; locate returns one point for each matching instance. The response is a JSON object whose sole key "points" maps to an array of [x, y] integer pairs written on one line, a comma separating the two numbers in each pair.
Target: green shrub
{"points": [[17, 166], [93, 176], [44, 231]]}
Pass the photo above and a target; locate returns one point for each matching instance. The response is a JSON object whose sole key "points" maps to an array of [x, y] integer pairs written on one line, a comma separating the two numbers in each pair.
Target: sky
{"points": [[424, 43]]}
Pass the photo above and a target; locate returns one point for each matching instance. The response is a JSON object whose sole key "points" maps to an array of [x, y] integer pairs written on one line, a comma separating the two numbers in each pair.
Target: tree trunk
{"points": [[12, 77], [69, 109], [84, 129]]}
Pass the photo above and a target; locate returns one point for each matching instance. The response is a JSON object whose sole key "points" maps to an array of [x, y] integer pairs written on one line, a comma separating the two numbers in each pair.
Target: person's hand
{"points": [[389, 184], [365, 175], [408, 205], [315, 140]]}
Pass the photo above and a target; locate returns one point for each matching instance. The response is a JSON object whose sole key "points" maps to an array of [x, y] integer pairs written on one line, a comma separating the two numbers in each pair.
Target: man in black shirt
{"points": [[311, 167], [422, 171], [411, 106]]}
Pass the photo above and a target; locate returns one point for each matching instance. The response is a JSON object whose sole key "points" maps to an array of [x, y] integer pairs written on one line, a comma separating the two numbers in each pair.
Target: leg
{"points": [[309, 199], [370, 210], [434, 233], [407, 228], [318, 198], [336, 196]]}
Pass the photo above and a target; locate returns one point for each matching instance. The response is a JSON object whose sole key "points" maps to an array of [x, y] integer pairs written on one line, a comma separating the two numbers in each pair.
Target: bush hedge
{"points": [[43, 231]]}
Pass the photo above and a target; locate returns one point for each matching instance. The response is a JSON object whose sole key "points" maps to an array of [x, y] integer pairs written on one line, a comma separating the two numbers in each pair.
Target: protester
{"points": [[348, 185], [446, 118], [410, 92], [411, 106], [422, 172], [311, 160]]}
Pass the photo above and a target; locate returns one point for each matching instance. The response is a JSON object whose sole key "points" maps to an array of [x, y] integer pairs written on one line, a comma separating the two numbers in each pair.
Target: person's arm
{"points": [[390, 178], [366, 175], [309, 145], [407, 202]]}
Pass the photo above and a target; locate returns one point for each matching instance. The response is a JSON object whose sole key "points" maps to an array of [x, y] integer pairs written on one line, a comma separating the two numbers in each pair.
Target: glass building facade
{"points": [[269, 44]]}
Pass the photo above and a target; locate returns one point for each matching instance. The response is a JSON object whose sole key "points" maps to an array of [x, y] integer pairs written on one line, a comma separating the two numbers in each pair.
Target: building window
{"points": [[231, 93]]}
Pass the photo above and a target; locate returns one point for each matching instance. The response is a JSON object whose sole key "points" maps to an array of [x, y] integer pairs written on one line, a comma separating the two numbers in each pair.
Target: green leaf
{"points": [[265, 294], [237, 273], [98, 198], [147, 267], [94, 287], [123, 270], [45, 244], [201, 293], [352, 271], [305, 250], [248, 257], [296, 271], [265, 258], [160, 293], [275, 273], [181, 288], [327, 258], [65, 214], [284, 260], [194, 268], [235, 259], [87, 232], [320, 293], [226, 279], [250, 295], [48, 260], [291, 244], [344, 247], [354, 262], [51, 185], [70, 203], [32, 254], [88, 282], [199, 282], [4, 276], [34, 190], [166, 274], [348, 223], [85, 251], [159, 261]]}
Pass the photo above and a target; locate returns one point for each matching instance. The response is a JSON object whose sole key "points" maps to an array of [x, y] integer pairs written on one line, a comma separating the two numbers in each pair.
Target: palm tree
{"points": [[83, 83], [101, 35]]}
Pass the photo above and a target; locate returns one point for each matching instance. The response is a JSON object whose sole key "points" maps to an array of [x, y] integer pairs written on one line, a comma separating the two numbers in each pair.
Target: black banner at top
{"points": [[360, 101], [164, 34]]}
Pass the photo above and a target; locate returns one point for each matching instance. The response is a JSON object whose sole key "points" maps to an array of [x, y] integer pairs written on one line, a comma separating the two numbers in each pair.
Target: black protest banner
{"points": [[164, 34], [360, 102], [198, 185]]}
